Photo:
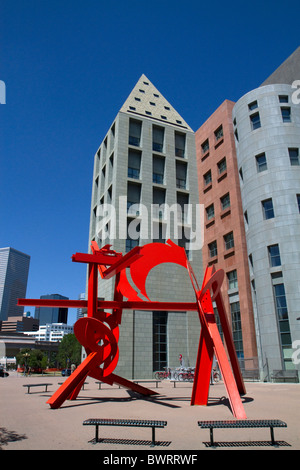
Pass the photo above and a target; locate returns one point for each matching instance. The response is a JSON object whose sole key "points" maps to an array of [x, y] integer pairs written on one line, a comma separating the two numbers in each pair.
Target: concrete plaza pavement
{"points": [[28, 422]]}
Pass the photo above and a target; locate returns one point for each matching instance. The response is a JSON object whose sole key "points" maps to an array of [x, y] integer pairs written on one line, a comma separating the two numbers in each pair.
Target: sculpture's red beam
{"points": [[113, 304]]}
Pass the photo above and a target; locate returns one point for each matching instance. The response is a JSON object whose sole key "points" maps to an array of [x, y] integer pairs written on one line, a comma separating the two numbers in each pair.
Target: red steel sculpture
{"points": [[99, 331]]}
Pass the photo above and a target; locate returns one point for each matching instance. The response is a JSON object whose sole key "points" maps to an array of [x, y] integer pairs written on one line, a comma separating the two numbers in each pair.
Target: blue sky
{"points": [[68, 67]]}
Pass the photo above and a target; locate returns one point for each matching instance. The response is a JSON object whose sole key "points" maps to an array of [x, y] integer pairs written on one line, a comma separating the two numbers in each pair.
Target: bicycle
{"points": [[160, 375], [187, 375]]}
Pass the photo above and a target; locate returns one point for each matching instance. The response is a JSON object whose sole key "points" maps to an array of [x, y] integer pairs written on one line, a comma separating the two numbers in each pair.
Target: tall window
{"points": [[134, 164], [274, 255], [294, 157], [160, 340], [179, 144], [261, 162], [205, 146], [135, 129], [225, 201], [159, 197], [283, 322], [183, 201], [132, 239], [229, 241], [286, 114], [268, 211], [237, 329], [255, 121], [210, 212], [133, 198], [158, 169], [181, 172], [207, 178], [212, 249], [158, 138], [219, 133], [232, 279], [222, 166]]}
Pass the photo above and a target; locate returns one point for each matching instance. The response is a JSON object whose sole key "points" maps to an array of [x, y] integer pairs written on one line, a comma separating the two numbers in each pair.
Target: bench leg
{"points": [[153, 437], [274, 443], [211, 434], [97, 433]]}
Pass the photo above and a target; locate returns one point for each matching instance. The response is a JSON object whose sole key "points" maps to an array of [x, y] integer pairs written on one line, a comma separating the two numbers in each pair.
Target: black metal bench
{"points": [[250, 374], [243, 423], [142, 381], [85, 383], [285, 375], [36, 385], [125, 422], [174, 382]]}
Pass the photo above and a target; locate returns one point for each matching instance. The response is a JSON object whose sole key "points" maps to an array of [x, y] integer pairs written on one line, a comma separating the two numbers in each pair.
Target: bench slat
{"points": [[124, 422], [257, 423]]}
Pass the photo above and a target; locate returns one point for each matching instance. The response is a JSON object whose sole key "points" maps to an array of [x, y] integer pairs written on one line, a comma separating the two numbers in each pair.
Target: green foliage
{"points": [[69, 351], [33, 358]]}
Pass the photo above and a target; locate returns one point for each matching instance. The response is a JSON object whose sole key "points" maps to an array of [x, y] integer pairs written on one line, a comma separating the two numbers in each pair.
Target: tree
{"points": [[33, 358], [69, 351]]}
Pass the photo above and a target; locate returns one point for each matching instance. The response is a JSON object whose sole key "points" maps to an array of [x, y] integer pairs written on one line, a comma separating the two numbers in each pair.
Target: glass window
{"points": [[179, 144], [222, 166], [237, 328], [274, 255], [134, 164], [205, 146], [207, 178], [219, 133], [225, 201], [181, 172], [212, 249], [210, 212], [281, 305], [135, 129], [158, 138], [229, 241], [232, 279], [158, 169], [294, 156], [255, 121], [160, 340], [252, 105], [268, 211], [286, 114], [261, 162], [283, 98]]}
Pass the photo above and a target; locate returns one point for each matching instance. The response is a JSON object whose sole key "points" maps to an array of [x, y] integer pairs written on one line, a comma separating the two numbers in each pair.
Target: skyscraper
{"points": [[144, 167], [14, 268], [52, 314]]}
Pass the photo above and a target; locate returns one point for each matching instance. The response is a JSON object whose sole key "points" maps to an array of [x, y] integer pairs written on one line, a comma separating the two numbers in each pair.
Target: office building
{"points": [[14, 268], [224, 240], [267, 128], [81, 311], [249, 181], [53, 332], [19, 324], [145, 165], [52, 314]]}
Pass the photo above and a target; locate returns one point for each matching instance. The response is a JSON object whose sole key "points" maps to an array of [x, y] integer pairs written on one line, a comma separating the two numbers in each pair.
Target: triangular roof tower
{"points": [[145, 100]]}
